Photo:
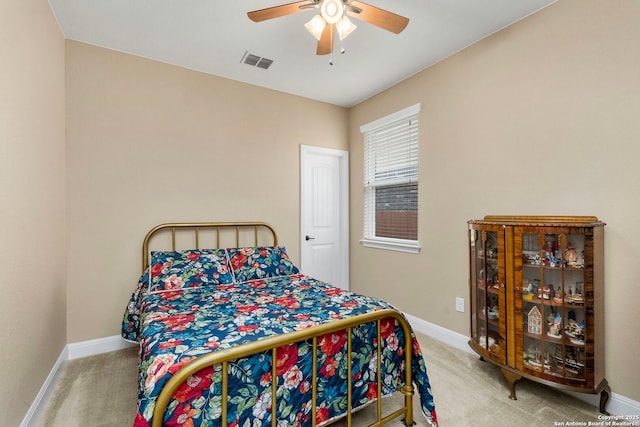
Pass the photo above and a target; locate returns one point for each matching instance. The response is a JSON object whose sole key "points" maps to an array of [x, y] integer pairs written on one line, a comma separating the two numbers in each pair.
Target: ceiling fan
{"points": [[333, 17]]}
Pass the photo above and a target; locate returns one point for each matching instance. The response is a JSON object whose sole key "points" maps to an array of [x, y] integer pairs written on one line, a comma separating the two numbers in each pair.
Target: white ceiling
{"points": [[213, 36]]}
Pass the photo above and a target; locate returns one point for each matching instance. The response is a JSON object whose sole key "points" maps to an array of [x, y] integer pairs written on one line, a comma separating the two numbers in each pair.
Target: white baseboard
{"points": [[445, 335], [70, 352], [40, 402], [618, 404], [97, 346]]}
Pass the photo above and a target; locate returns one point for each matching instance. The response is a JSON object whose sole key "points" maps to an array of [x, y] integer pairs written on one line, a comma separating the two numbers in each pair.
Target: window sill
{"points": [[392, 245]]}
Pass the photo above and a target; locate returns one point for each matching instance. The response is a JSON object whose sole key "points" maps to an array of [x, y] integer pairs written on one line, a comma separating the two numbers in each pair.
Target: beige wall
{"points": [[149, 143], [32, 203], [540, 118]]}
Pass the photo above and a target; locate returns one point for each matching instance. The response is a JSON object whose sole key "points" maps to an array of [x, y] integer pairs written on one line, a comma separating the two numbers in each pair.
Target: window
{"points": [[391, 181]]}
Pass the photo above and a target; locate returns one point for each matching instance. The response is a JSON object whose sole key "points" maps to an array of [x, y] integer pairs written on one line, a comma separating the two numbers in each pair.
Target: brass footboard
{"points": [[223, 357]]}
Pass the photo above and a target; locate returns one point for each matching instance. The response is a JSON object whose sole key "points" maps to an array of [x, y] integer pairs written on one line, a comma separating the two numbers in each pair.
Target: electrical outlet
{"points": [[460, 304]]}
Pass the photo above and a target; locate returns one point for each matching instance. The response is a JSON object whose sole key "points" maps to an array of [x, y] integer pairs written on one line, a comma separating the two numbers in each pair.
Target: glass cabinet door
{"points": [[553, 309], [487, 286]]}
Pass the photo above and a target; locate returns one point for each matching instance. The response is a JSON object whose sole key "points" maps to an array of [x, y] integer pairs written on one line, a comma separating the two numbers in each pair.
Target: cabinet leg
{"points": [[604, 399], [511, 379]]}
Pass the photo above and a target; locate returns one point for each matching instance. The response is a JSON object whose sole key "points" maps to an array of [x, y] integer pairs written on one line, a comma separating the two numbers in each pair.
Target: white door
{"points": [[324, 211]]}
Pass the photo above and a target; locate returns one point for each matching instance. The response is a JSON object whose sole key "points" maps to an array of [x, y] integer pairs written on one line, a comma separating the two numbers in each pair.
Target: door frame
{"points": [[343, 188]]}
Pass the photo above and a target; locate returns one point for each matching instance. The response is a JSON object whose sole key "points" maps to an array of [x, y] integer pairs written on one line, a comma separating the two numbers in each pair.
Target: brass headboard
{"points": [[221, 232]]}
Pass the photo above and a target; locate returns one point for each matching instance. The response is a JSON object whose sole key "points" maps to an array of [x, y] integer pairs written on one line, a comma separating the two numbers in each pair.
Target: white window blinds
{"points": [[391, 181]]}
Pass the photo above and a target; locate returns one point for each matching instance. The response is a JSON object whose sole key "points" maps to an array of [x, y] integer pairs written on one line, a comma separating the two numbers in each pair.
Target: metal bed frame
{"points": [[223, 357]]}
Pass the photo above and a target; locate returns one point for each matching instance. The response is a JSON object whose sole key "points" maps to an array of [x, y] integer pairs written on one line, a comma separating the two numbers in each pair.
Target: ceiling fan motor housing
{"points": [[332, 10]]}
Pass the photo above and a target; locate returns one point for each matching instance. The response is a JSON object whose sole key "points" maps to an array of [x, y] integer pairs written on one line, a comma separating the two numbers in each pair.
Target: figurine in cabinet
{"points": [[550, 318], [546, 292], [575, 331], [558, 296], [574, 296], [570, 256], [493, 313], [534, 321], [556, 327]]}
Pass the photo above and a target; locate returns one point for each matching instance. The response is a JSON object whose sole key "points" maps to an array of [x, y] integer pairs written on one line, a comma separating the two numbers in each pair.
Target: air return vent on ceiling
{"points": [[256, 61]]}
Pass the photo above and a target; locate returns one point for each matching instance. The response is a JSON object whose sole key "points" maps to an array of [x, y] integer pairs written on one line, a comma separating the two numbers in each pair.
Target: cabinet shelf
{"points": [[490, 289], [563, 339], [546, 267], [489, 321], [532, 257], [552, 303]]}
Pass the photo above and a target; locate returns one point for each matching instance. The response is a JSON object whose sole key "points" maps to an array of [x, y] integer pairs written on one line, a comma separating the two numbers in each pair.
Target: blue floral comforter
{"points": [[175, 327]]}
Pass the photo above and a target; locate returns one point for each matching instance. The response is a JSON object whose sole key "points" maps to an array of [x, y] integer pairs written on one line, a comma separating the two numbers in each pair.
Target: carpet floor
{"points": [[101, 391]]}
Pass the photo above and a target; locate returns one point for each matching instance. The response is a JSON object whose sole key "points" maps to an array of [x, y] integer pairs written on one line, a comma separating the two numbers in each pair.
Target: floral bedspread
{"points": [[175, 327]]}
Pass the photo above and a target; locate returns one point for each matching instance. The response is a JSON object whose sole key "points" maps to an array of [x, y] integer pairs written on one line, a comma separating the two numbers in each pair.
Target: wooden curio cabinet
{"points": [[537, 300]]}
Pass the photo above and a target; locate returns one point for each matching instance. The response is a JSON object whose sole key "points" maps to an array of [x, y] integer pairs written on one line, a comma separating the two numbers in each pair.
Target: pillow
{"points": [[171, 270], [252, 263]]}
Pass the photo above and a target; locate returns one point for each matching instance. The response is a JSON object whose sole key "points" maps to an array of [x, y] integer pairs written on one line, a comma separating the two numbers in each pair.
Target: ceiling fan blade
{"points": [[277, 11], [378, 17], [325, 44]]}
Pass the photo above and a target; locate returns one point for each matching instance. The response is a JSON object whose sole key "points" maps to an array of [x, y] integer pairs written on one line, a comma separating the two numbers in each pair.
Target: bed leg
{"points": [[408, 392]]}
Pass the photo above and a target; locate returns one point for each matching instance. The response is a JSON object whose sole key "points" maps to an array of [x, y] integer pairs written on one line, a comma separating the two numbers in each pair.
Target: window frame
{"points": [[369, 239]]}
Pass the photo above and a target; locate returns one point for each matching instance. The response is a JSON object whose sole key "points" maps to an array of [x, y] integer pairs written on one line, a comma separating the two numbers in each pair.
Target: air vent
{"points": [[264, 63], [256, 61]]}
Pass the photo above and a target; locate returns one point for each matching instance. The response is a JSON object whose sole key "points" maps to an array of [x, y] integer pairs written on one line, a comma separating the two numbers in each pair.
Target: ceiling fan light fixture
{"points": [[345, 27], [332, 10], [332, 18], [316, 26]]}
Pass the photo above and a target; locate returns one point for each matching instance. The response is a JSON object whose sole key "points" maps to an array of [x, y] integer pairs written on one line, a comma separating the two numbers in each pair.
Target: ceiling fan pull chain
{"points": [[332, 30], [342, 38]]}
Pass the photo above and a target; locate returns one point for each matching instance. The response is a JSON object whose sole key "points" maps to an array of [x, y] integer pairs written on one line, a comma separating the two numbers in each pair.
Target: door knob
{"points": [[309, 238]]}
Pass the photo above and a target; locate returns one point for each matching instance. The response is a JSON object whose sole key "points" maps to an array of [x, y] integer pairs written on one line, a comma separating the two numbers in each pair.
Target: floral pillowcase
{"points": [[171, 270], [251, 263]]}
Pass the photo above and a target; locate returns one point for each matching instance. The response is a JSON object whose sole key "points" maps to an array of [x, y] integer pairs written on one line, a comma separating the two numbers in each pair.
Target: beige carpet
{"points": [[101, 391]]}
